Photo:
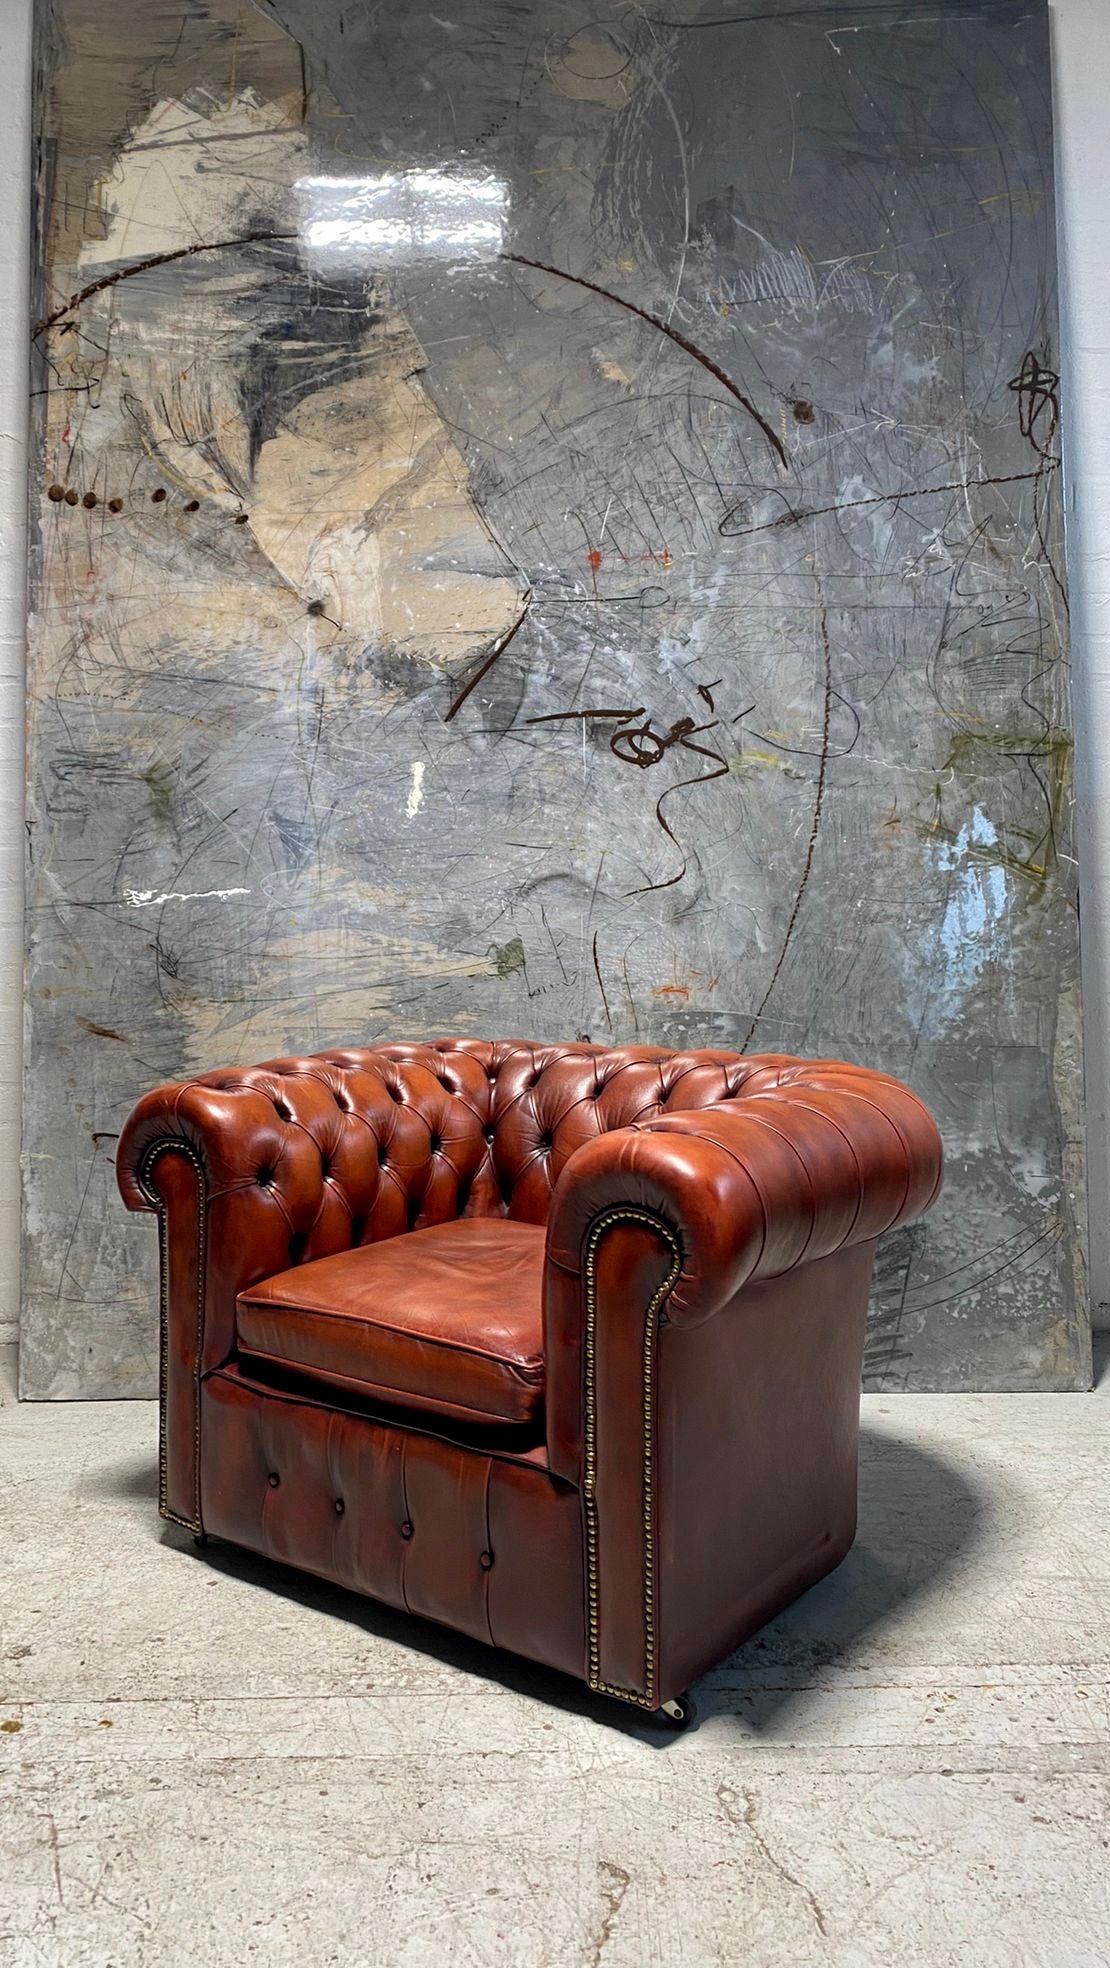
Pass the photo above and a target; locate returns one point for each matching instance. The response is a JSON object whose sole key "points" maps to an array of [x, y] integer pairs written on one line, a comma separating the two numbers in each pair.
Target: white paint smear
{"points": [[416, 791], [148, 898]]}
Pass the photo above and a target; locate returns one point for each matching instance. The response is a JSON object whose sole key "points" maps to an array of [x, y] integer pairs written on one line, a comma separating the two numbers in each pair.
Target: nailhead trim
{"points": [[601, 1224], [164, 1145]]}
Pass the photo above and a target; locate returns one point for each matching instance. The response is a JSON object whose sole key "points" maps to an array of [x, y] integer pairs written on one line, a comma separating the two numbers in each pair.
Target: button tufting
{"points": [[406, 1528], [264, 1177], [486, 1561], [273, 1479], [340, 1506], [489, 1134]]}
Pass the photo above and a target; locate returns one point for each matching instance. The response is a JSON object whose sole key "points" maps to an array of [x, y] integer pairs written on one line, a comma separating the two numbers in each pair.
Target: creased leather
{"points": [[449, 1319]]}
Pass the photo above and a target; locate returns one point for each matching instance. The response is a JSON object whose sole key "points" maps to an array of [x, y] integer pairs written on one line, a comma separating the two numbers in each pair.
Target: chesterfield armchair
{"points": [[556, 1345]]}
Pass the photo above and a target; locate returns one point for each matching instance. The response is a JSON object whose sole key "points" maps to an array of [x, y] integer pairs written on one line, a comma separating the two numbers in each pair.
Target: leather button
{"points": [[340, 1506], [486, 1561], [273, 1479], [406, 1529]]}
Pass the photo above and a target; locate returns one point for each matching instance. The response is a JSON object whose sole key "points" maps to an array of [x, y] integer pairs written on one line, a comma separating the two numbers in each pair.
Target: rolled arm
{"points": [[809, 1160], [253, 1170], [654, 1228]]}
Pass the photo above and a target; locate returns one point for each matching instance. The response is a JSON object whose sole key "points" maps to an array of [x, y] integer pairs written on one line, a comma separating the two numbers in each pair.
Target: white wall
{"points": [[1082, 91], [15, 208], [1081, 60]]}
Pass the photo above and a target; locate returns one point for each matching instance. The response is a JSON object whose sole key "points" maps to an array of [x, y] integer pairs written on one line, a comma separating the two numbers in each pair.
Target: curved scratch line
{"points": [[144, 266], [818, 802], [672, 334]]}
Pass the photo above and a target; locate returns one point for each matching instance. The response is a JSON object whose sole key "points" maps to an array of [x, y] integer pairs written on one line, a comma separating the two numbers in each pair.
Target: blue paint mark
{"points": [[976, 902]]}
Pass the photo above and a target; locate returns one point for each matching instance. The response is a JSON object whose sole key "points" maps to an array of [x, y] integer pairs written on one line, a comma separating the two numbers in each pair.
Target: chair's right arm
{"points": [[705, 1296]]}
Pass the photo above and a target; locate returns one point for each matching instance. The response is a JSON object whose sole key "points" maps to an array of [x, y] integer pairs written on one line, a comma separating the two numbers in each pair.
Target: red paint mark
{"points": [[593, 559], [65, 435], [671, 991]]}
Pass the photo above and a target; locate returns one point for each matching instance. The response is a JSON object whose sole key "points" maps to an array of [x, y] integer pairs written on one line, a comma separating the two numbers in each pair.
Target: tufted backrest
{"points": [[344, 1147]]}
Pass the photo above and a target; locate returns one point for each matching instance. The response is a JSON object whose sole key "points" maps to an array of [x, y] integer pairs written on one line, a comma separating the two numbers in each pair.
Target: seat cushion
{"points": [[447, 1319]]}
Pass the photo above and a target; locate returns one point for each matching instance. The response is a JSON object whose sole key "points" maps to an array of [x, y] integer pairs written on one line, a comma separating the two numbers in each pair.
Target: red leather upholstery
{"points": [[710, 1223], [448, 1320], [485, 1543]]}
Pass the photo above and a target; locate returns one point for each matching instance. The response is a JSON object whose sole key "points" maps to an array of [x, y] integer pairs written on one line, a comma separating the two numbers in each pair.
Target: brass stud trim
{"points": [[608, 1221], [173, 1144]]}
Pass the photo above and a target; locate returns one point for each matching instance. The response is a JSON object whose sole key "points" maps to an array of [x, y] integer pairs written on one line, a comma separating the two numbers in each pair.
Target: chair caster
{"points": [[200, 1539], [677, 1714]]}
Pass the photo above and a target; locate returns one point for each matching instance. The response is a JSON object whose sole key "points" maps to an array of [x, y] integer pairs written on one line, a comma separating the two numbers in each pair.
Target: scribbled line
{"points": [[1037, 389], [601, 985], [145, 266], [820, 12], [484, 668], [818, 803], [598, 711], [697, 779], [642, 745], [664, 328], [794, 515]]}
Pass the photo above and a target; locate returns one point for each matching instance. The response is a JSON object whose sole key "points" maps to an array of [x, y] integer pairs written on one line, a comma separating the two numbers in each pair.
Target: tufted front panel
{"points": [[428, 1527]]}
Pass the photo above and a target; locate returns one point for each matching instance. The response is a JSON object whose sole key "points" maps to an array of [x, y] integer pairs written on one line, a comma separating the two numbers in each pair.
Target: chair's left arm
{"points": [[229, 1181], [250, 1171]]}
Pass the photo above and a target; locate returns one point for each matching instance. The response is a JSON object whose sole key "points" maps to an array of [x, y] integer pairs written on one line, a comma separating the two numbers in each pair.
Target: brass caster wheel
{"points": [[677, 1714]]}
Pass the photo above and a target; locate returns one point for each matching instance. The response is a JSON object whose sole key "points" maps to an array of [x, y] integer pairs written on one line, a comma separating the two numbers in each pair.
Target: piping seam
{"points": [[173, 1144], [607, 1221]]}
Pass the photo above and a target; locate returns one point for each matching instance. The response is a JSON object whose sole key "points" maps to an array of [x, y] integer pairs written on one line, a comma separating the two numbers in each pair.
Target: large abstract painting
{"points": [[548, 522]]}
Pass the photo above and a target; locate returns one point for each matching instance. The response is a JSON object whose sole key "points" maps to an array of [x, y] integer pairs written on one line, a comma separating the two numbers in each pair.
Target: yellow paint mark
{"points": [[752, 757]]}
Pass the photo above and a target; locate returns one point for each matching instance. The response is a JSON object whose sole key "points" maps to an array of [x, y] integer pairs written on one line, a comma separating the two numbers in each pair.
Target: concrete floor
{"points": [[206, 1759]]}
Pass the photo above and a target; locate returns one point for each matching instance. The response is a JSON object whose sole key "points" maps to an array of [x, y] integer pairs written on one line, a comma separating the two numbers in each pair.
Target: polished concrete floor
{"points": [[206, 1759]]}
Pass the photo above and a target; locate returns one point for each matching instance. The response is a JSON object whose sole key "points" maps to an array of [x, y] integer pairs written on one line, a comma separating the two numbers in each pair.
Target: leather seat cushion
{"points": [[447, 1319]]}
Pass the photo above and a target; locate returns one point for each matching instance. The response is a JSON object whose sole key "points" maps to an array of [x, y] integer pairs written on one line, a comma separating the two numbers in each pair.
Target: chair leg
{"points": [[677, 1714]]}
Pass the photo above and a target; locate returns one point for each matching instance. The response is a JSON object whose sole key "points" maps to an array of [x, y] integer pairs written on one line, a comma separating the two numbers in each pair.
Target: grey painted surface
{"points": [[737, 508]]}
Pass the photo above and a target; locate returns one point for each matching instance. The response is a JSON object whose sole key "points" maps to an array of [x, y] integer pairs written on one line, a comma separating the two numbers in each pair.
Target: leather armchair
{"points": [[557, 1345]]}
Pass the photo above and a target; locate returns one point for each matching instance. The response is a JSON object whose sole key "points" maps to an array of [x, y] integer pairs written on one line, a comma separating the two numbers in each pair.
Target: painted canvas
{"points": [[549, 523]]}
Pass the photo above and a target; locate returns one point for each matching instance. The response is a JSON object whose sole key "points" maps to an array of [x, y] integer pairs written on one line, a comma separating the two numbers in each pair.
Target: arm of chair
{"points": [[809, 1159], [682, 1411], [250, 1171]]}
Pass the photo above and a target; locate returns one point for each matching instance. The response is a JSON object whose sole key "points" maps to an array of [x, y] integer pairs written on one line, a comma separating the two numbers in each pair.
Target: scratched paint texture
{"points": [[550, 523]]}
